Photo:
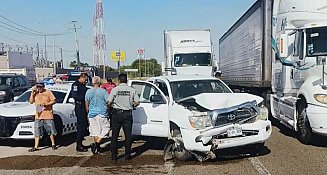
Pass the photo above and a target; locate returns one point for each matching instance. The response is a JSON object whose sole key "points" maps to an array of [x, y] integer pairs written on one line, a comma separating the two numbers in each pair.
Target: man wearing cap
{"points": [[123, 99], [43, 100], [78, 93]]}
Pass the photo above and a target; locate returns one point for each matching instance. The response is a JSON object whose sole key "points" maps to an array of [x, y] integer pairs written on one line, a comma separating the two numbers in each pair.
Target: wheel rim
{"points": [[302, 122]]}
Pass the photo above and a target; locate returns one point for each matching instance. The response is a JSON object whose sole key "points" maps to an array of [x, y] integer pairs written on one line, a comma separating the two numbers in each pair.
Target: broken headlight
{"points": [[263, 114], [200, 120]]}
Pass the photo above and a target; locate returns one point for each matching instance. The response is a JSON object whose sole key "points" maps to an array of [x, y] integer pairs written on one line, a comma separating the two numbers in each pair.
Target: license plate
{"points": [[233, 132]]}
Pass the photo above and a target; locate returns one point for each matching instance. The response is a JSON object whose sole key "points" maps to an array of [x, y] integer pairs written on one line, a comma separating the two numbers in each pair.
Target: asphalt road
{"points": [[283, 155]]}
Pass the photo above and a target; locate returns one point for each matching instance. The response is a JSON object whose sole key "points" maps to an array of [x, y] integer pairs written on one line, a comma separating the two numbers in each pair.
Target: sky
{"points": [[129, 24]]}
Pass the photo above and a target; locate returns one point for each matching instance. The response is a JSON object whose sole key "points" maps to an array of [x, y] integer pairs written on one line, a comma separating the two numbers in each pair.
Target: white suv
{"points": [[198, 114]]}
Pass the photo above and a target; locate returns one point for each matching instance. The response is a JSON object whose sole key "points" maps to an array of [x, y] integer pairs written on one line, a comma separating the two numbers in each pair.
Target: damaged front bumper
{"points": [[217, 138]]}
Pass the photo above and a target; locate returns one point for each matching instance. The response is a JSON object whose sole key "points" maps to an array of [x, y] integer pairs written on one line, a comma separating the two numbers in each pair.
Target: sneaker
{"points": [[94, 148], [54, 147], [81, 149]]}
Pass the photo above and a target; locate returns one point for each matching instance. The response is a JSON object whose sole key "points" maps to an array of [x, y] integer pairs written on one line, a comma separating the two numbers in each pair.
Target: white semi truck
{"points": [[278, 50], [189, 52]]}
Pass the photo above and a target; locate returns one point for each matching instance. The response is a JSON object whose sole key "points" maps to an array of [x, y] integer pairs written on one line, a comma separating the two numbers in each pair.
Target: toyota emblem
{"points": [[231, 117]]}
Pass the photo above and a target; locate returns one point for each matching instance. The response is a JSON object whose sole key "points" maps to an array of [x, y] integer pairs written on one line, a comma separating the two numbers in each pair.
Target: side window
{"points": [[163, 87], [16, 82], [21, 81], [145, 91], [27, 82]]}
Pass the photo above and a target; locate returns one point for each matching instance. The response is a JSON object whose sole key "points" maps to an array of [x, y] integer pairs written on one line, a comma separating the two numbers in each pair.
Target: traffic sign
{"points": [[140, 51]]}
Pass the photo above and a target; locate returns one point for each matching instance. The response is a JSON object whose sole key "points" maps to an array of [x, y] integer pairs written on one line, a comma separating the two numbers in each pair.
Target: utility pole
{"points": [[77, 45], [45, 51], [37, 54], [2, 47], [61, 59], [54, 56]]}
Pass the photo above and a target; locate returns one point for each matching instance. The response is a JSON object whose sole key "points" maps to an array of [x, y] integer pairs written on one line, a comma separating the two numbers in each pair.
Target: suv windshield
{"points": [[192, 59], [5, 81], [317, 41], [60, 96], [183, 89]]}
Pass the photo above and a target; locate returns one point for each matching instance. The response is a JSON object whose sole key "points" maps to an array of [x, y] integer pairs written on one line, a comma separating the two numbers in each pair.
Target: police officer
{"points": [[78, 93], [123, 99]]}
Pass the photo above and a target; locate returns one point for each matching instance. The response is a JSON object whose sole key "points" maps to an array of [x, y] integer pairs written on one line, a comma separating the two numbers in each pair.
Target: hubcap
{"points": [[301, 122]]}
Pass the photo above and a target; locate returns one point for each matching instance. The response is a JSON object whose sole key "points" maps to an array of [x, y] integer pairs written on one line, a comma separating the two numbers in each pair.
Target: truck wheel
{"points": [[304, 130], [179, 150]]}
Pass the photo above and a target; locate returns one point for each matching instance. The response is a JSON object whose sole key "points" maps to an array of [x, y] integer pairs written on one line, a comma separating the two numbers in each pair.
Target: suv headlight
{"points": [[321, 98], [200, 122], [2, 93], [263, 114]]}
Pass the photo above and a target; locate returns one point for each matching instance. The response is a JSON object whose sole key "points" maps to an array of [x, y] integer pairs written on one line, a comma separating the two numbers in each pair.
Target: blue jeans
{"points": [[48, 125]]}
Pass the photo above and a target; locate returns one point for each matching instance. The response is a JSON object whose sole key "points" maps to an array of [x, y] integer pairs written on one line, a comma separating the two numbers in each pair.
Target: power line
{"points": [[23, 42], [21, 25], [10, 29], [27, 32]]}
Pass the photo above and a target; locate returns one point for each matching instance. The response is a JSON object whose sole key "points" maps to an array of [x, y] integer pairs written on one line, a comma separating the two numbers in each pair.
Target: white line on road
{"points": [[262, 170], [169, 166], [77, 165]]}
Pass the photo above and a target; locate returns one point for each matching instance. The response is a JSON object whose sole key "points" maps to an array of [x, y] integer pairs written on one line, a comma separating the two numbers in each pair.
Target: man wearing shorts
{"points": [[96, 103], [44, 101]]}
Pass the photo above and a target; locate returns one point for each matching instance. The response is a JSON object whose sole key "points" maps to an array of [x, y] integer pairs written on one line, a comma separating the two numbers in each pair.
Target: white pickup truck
{"points": [[198, 115]]}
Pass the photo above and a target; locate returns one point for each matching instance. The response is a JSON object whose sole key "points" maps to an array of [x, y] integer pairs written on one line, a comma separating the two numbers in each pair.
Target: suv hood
{"points": [[213, 101], [14, 109]]}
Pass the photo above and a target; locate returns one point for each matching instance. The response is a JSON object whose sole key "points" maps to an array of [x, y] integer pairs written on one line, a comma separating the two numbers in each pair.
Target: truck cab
{"points": [[189, 52], [298, 64]]}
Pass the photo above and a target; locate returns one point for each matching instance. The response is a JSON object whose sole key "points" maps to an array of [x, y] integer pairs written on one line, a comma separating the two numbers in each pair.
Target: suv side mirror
{"points": [[71, 100], [156, 99]]}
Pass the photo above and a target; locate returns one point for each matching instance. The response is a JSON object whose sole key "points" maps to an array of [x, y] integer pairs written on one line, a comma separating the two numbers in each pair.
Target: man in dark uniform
{"points": [[78, 93], [123, 99]]}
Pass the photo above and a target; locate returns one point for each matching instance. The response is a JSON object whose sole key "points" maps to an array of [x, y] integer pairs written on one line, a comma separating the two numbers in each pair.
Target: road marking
{"points": [[77, 165], [262, 170], [169, 166]]}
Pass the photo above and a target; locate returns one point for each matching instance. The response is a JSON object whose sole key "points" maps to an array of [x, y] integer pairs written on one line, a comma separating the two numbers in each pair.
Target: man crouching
{"points": [[96, 103]]}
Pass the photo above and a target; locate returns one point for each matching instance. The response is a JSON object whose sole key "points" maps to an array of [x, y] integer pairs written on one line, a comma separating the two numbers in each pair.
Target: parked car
{"points": [[12, 85], [198, 115], [17, 117]]}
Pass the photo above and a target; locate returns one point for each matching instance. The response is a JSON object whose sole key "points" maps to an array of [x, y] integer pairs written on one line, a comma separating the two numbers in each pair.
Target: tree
{"points": [[152, 65]]}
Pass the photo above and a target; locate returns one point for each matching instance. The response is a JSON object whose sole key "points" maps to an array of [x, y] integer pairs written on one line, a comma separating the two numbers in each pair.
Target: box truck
{"points": [[278, 50], [189, 52]]}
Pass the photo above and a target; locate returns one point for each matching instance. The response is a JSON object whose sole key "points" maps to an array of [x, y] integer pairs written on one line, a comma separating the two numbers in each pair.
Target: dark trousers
{"points": [[124, 120], [82, 123]]}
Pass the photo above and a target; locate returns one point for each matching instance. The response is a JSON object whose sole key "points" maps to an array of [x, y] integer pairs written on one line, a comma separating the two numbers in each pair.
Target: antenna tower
{"points": [[99, 38]]}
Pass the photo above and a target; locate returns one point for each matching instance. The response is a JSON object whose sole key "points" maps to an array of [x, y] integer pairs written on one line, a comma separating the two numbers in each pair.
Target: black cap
{"points": [[39, 84]]}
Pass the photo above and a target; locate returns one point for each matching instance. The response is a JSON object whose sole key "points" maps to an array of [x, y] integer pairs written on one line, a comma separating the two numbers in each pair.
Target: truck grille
{"points": [[239, 116]]}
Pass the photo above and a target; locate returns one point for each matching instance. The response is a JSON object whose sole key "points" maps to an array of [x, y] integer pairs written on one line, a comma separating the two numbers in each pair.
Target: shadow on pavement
{"points": [[318, 141], [61, 141]]}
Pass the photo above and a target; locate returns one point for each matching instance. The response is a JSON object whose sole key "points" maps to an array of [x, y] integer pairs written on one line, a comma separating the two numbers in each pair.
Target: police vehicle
{"points": [[17, 117]]}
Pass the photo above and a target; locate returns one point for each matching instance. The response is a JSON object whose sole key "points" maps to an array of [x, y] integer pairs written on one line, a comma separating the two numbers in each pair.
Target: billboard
{"points": [[118, 56]]}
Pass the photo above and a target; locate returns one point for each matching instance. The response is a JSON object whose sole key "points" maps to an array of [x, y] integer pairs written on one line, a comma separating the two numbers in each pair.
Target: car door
{"points": [[151, 117], [66, 111]]}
